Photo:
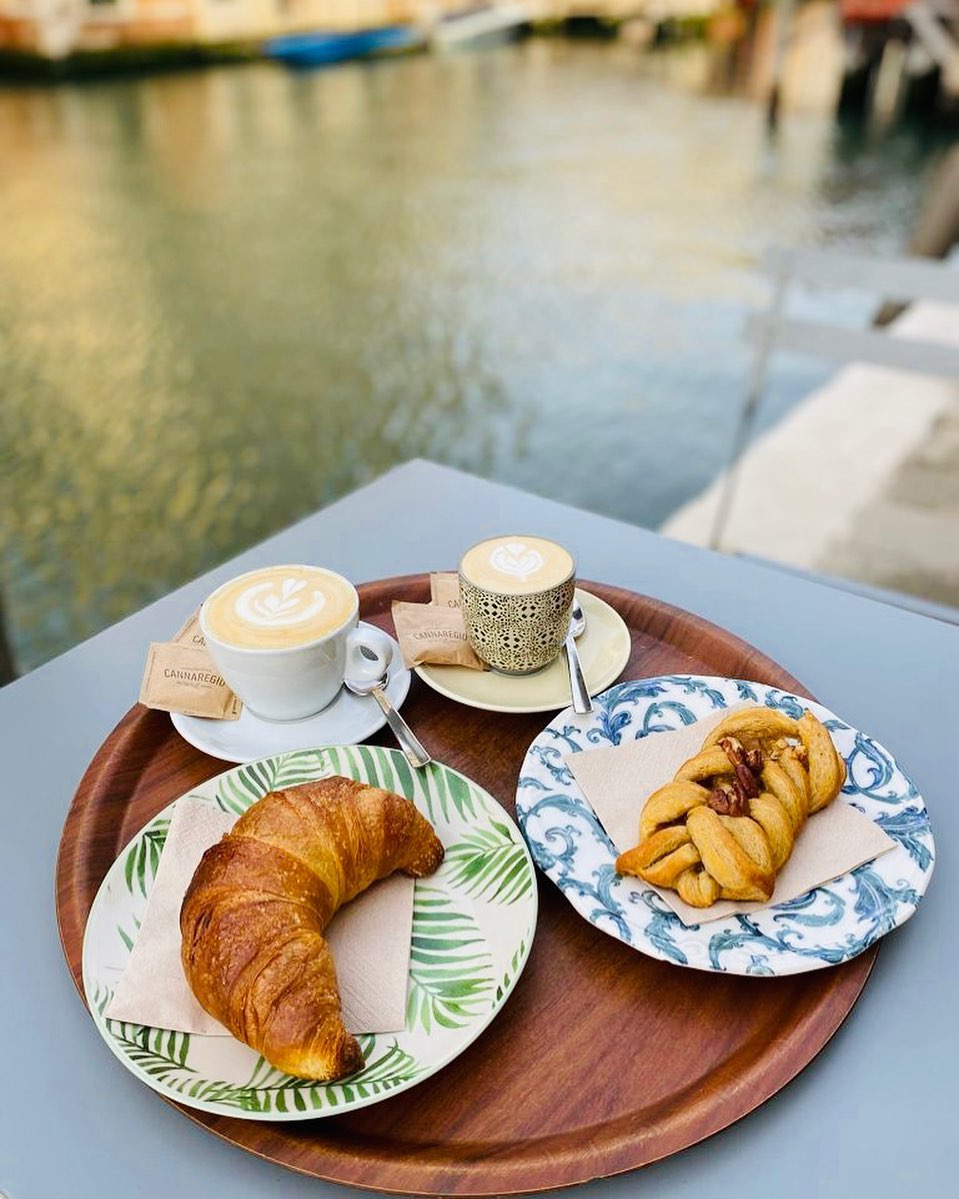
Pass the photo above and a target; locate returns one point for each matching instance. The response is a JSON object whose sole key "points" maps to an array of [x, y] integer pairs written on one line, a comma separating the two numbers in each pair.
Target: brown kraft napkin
{"points": [[445, 588], [190, 633], [182, 678], [369, 939], [435, 632], [617, 782]]}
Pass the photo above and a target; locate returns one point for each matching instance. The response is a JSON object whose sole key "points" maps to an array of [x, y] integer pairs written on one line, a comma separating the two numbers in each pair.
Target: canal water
{"points": [[229, 296]]}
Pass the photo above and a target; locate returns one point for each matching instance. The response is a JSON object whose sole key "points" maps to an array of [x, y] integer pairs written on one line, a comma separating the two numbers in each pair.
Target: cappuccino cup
{"points": [[279, 636], [516, 593]]}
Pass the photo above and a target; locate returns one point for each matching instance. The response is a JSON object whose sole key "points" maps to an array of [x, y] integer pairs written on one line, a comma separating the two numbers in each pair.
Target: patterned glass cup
{"points": [[516, 593]]}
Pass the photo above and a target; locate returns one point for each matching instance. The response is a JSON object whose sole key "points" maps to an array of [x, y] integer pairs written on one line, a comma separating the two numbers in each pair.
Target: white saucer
{"points": [[603, 650], [347, 720]]}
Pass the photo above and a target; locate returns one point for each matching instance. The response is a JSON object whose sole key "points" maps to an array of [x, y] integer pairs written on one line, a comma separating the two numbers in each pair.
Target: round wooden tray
{"points": [[602, 1061]]}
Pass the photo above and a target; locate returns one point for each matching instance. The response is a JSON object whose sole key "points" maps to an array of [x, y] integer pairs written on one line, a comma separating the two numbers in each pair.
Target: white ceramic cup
{"points": [[289, 683]]}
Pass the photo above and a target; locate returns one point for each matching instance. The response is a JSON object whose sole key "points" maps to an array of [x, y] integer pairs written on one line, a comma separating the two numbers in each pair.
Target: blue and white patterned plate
{"points": [[826, 926]]}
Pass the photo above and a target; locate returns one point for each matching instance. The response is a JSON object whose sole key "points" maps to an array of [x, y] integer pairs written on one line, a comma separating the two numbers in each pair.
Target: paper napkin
{"points": [[617, 782], [435, 632], [369, 939], [180, 676]]}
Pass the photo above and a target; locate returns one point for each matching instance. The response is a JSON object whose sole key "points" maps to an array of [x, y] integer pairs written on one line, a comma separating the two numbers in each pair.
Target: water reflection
{"points": [[230, 296]]}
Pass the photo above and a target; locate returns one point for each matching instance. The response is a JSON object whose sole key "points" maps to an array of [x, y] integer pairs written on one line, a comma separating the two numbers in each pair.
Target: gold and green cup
{"points": [[516, 593]]}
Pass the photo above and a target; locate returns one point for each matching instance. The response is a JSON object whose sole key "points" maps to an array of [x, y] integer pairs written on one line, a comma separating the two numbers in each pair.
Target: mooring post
{"points": [[8, 671], [783, 18], [938, 229]]}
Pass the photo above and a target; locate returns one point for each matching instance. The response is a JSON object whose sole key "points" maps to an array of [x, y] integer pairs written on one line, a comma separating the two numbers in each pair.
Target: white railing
{"points": [[897, 279]]}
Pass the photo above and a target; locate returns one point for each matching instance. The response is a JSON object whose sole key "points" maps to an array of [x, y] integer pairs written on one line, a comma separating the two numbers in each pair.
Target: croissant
{"points": [[729, 819], [253, 916]]}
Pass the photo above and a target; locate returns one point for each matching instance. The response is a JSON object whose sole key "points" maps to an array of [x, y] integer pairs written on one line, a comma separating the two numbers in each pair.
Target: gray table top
{"points": [[873, 1115]]}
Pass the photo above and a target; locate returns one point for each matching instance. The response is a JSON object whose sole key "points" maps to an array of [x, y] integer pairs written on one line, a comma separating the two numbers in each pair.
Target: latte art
{"points": [[517, 565], [517, 559], [269, 606], [280, 607]]}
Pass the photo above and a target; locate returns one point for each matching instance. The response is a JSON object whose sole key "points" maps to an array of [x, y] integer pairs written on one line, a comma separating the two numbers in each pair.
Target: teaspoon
{"points": [[577, 682], [368, 671]]}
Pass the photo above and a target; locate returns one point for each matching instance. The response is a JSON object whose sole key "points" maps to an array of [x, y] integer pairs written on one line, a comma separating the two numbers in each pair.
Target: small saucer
{"points": [[347, 720], [603, 650]]}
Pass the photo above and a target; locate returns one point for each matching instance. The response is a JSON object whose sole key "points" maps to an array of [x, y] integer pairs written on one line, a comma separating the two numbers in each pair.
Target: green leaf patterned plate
{"points": [[473, 925]]}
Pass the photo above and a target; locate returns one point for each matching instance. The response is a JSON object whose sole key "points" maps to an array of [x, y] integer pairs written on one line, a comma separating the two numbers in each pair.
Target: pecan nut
{"points": [[746, 764], [729, 799]]}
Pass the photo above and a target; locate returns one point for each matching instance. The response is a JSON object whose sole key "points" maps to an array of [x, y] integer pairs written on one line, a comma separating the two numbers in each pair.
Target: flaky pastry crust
{"points": [[253, 917], [727, 822]]}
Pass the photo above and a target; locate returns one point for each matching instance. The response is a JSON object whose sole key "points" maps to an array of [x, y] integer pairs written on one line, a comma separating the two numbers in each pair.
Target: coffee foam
{"points": [[279, 607], [517, 565]]}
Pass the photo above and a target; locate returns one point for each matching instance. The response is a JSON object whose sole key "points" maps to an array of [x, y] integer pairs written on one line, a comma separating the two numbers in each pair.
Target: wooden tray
{"points": [[602, 1061]]}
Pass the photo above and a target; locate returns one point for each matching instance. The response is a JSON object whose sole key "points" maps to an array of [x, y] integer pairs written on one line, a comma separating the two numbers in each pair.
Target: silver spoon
{"points": [[577, 683], [367, 673]]}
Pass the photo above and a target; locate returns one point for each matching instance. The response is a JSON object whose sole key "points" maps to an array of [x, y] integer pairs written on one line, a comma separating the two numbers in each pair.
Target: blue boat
{"points": [[322, 48]]}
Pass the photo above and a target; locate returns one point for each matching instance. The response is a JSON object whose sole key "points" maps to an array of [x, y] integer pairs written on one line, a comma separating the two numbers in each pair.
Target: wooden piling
{"points": [[938, 228], [8, 670]]}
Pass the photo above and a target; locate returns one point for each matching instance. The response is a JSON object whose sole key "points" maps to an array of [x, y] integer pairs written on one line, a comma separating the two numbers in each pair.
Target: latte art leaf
{"points": [[263, 605], [272, 606], [280, 607]]}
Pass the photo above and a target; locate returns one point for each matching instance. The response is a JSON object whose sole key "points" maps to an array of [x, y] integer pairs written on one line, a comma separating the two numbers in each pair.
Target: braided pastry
{"points": [[253, 916], [729, 819]]}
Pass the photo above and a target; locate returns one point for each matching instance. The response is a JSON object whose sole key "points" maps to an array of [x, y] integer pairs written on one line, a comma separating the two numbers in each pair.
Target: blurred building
{"points": [[56, 28]]}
